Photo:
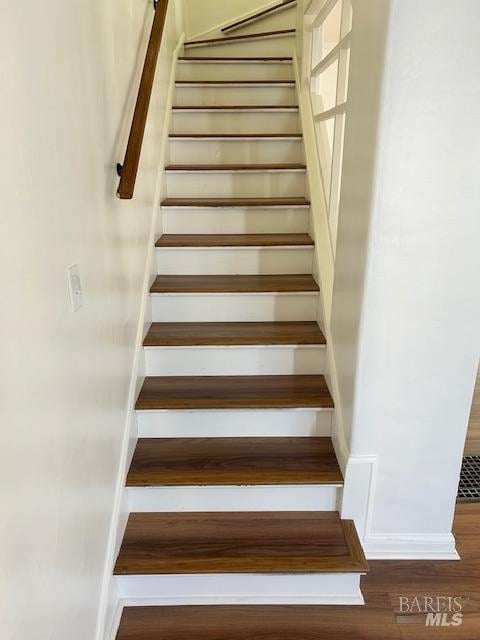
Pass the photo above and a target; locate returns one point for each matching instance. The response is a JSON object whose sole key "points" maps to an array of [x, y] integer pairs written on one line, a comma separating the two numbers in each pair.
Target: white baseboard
{"points": [[358, 493], [418, 546], [358, 504], [111, 632]]}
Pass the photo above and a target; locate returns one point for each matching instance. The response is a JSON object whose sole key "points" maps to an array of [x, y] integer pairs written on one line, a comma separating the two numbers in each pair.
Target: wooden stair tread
{"points": [[234, 392], [284, 166], [233, 333], [259, 15], [235, 59], [251, 542], [233, 461], [189, 83], [236, 107], [289, 283], [265, 622], [235, 202], [234, 136], [235, 240], [251, 36]]}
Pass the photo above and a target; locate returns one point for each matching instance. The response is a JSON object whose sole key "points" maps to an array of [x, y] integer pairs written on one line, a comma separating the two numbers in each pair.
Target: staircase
{"points": [[234, 487]]}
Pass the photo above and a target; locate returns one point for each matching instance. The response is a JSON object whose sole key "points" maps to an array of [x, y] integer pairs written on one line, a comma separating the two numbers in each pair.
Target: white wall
{"points": [[204, 16], [67, 70], [364, 94], [410, 204]]}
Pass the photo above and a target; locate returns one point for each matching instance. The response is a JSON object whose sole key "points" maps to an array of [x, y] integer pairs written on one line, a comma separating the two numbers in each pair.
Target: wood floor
{"points": [[376, 621]]}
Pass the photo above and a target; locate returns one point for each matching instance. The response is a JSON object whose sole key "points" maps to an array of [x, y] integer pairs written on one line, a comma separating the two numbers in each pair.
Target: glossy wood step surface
{"points": [[288, 283], [233, 333], [235, 136], [236, 107], [190, 168], [252, 542], [237, 203], [375, 621], [234, 392], [234, 83], [234, 59], [235, 240], [252, 36], [260, 622], [233, 461]]}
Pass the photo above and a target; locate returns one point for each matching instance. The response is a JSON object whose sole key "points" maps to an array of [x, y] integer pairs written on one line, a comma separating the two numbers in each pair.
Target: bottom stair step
{"points": [[375, 622], [232, 543]]}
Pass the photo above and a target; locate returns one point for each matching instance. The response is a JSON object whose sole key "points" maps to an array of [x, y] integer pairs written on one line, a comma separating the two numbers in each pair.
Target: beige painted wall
{"points": [[202, 16], [67, 70]]}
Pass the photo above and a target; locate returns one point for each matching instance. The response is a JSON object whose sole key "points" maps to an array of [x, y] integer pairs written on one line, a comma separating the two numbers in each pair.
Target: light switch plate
{"points": [[75, 288]]}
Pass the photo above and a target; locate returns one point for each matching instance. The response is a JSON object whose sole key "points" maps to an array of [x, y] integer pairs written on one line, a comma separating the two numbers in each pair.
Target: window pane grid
{"points": [[329, 68]]}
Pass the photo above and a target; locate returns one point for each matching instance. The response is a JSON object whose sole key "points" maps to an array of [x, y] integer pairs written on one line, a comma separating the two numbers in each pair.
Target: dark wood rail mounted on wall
{"points": [[128, 171]]}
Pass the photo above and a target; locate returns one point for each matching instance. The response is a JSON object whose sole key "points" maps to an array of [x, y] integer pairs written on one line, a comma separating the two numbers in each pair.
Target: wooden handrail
{"points": [[128, 171]]}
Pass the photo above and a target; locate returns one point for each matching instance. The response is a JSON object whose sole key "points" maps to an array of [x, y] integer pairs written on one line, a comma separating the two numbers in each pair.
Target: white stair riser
{"points": [[234, 70], [234, 261], [235, 122], [231, 307], [239, 588], [235, 152], [230, 361], [262, 423], [235, 184], [233, 498], [229, 95], [277, 46], [235, 220]]}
